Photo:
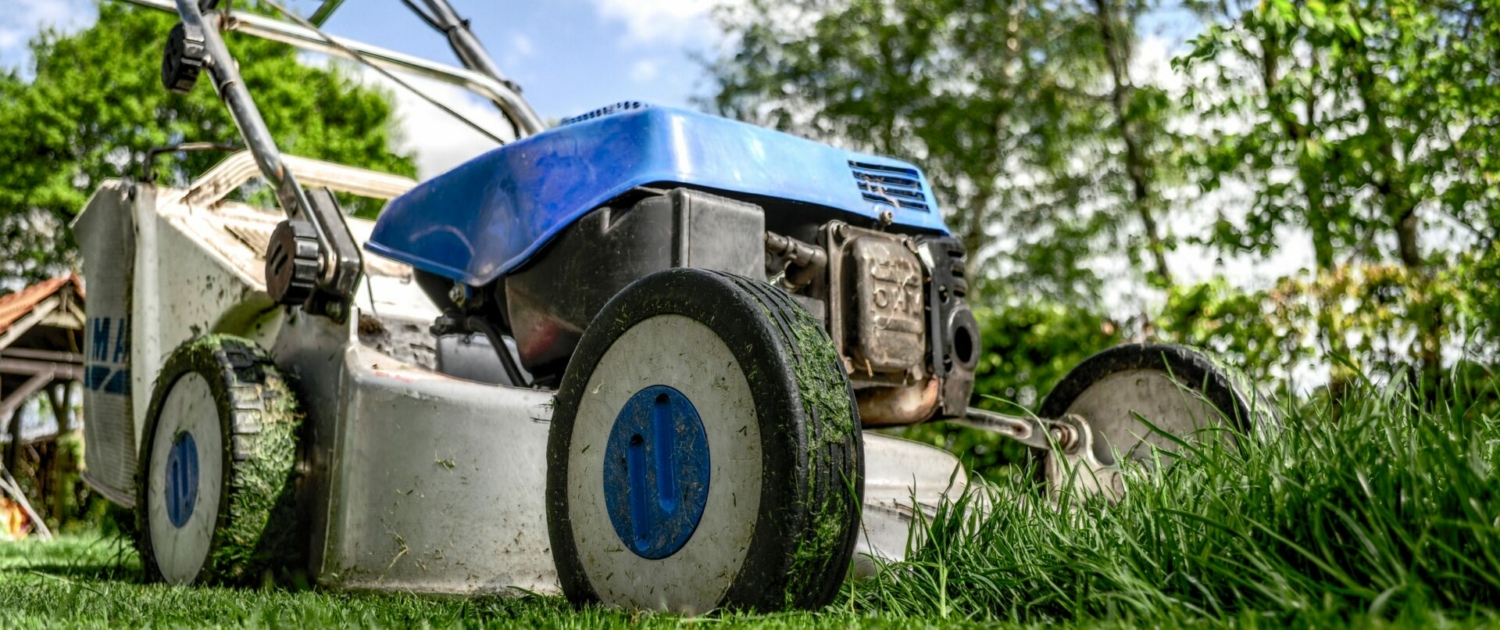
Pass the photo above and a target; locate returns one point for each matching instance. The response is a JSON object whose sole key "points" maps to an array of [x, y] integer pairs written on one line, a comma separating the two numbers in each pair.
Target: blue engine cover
{"points": [[491, 214]]}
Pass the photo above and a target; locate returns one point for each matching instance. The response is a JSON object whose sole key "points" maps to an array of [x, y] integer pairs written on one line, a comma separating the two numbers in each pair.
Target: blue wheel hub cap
{"points": [[182, 478], [656, 472]]}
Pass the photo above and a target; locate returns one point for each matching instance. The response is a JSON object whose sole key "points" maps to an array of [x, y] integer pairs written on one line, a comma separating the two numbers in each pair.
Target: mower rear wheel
{"points": [[1181, 391], [704, 453], [215, 500]]}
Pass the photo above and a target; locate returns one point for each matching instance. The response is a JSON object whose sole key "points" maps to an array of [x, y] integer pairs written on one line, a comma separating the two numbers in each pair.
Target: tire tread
{"points": [[258, 526]]}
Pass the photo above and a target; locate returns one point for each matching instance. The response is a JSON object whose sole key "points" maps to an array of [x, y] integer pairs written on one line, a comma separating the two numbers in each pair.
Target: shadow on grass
{"points": [[98, 572], [93, 558]]}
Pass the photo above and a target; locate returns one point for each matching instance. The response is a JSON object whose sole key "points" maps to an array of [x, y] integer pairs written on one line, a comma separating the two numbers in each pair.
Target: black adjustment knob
{"points": [[182, 59], [292, 262]]}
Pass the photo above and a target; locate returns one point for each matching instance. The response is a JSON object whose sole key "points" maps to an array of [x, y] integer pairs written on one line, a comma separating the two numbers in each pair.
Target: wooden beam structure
{"points": [[37, 314], [13, 402], [41, 344], [42, 355], [27, 367]]}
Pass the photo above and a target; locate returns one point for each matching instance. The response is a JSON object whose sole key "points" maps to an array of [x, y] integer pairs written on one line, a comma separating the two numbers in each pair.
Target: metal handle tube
{"points": [[515, 107], [465, 45], [325, 11], [526, 119], [231, 89]]}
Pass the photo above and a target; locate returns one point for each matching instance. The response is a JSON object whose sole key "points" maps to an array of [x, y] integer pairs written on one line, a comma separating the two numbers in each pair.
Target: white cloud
{"points": [[523, 46], [440, 141], [672, 22], [21, 20], [644, 70]]}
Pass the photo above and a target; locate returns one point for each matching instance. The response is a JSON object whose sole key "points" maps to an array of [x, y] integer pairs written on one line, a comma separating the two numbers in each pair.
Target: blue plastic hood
{"points": [[493, 213]]}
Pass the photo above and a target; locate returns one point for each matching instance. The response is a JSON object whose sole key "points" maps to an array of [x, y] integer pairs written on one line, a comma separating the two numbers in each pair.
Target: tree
{"points": [[95, 106], [1365, 127], [1048, 155], [1362, 123], [1141, 116]]}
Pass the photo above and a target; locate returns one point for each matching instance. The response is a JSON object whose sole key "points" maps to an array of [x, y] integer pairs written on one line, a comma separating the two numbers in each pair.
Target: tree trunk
{"points": [[1424, 309], [974, 238], [56, 462], [1390, 180], [1135, 159], [13, 450], [62, 405], [1311, 174]]}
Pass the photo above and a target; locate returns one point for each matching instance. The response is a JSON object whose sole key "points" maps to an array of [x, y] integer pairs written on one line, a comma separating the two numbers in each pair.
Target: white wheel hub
{"points": [[684, 355], [186, 475], [1110, 406]]}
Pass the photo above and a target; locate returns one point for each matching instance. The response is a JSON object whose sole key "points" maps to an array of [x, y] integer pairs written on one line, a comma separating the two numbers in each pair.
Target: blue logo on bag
{"points": [[109, 355]]}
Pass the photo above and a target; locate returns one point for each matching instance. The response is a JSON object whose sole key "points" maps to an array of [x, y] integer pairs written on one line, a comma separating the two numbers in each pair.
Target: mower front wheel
{"points": [[704, 453]]}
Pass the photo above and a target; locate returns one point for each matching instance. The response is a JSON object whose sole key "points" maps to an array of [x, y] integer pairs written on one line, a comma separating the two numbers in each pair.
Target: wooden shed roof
{"points": [[16, 306]]}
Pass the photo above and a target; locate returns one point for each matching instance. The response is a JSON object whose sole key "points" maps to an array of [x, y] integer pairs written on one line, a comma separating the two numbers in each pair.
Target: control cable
{"points": [[387, 74]]}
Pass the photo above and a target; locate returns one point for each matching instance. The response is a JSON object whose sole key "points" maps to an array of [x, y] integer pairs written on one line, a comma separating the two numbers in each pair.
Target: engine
{"points": [[893, 302], [527, 243]]}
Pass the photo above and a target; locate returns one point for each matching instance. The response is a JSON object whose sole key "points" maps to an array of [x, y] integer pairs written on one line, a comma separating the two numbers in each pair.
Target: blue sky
{"points": [[569, 55]]}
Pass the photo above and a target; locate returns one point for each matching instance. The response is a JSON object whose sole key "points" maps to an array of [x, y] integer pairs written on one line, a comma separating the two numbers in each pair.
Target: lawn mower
{"points": [[633, 358]]}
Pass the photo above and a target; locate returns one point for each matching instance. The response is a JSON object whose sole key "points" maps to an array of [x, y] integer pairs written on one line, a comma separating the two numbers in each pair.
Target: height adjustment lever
{"points": [[298, 270], [292, 262], [183, 58]]}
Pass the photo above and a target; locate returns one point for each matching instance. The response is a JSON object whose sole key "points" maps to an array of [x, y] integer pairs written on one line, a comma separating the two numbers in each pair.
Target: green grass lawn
{"points": [[1380, 515], [94, 581]]}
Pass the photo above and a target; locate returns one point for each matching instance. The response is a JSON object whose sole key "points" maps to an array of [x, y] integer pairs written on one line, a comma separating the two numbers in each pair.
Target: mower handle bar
{"points": [[231, 89], [339, 262], [504, 96]]}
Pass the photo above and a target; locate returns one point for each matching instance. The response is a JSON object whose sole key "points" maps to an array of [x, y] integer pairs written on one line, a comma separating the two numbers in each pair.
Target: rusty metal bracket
{"points": [[1070, 462], [876, 308], [1037, 433]]}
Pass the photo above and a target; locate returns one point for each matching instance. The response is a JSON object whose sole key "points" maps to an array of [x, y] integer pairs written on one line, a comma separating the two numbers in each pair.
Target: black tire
{"points": [[255, 524], [1225, 389], [812, 458]]}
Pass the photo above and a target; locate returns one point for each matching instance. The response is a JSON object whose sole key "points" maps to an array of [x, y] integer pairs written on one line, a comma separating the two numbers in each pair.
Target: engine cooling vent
{"points": [[895, 186], [623, 106]]}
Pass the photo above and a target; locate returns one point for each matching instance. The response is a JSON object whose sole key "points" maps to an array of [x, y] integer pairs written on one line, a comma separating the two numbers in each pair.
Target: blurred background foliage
{"points": [[94, 105], [1104, 197]]}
